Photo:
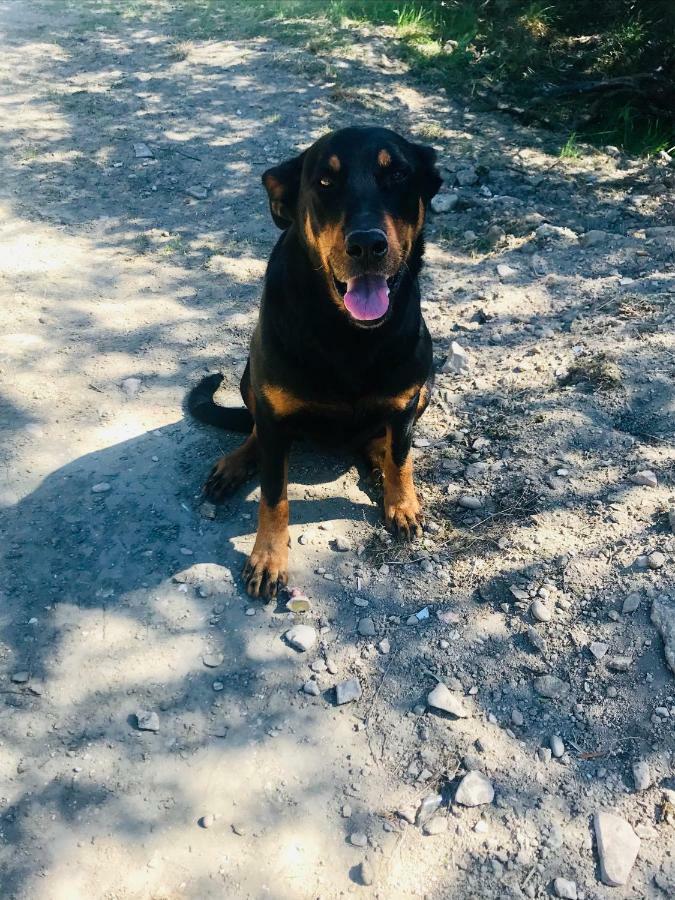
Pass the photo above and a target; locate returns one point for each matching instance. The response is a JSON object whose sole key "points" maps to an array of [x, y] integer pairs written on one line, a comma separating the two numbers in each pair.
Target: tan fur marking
{"points": [[383, 158], [285, 403], [334, 163], [402, 510]]}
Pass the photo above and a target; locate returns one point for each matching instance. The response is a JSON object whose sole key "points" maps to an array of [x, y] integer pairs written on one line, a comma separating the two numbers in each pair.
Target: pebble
{"points": [[619, 663], [346, 811], [642, 775], [544, 755], [301, 637], [565, 888], [437, 825], [598, 649], [384, 646], [466, 177], [517, 717], [240, 829], [594, 238], [443, 699], [366, 627], [131, 387], [101, 488], [618, 847], [671, 519], [541, 611], [20, 677], [551, 687], [663, 616], [457, 361], [557, 746], [656, 560], [147, 721], [142, 151], [645, 477], [298, 603], [468, 502], [312, 688], [536, 639], [197, 192], [505, 271], [213, 660], [208, 510], [218, 686], [206, 821], [358, 839], [427, 808], [347, 691], [342, 545], [475, 789], [631, 603], [366, 873], [443, 203]]}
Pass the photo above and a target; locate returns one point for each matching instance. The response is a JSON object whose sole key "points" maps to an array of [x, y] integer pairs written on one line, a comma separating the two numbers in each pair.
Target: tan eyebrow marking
{"points": [[334, 163], [384, 158]]}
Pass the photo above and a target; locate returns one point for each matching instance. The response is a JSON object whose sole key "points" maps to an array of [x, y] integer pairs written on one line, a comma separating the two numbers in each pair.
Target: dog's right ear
{"points": [[282, 184]]}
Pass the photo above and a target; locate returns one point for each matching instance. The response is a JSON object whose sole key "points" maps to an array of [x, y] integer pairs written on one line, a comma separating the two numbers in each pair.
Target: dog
{"points": [[341, 352]]}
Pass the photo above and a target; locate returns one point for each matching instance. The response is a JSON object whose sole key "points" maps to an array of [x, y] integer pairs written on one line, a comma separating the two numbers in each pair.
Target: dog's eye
{"points": [[396, 176], [325, 182]]}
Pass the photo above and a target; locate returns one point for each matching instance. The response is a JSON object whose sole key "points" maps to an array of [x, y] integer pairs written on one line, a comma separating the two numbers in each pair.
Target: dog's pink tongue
{"points": [[367, 297]]}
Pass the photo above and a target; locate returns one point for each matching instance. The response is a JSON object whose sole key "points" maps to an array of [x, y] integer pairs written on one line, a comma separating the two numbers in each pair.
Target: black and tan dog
{"points": [[341, 351]]}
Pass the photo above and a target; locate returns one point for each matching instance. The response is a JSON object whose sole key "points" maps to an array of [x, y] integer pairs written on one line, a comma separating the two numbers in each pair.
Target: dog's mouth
{"points": [[367, 297]]}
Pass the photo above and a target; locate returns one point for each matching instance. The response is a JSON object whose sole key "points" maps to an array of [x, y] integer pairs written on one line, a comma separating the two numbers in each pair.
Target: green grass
{"points": [[570, 149]]}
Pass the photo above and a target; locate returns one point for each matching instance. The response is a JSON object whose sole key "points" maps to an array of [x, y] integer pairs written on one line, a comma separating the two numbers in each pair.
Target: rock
{"points": [[671, 519], [342, 545], [443, 203], [443, 699], [207, 510], [147, 721], [618, 847], [469, 235], [598, 649], [366, 627], [554, 232], [551, 687], [631, 603], [564, 888], [346, 811], [475, 789], [197, 192], [656, 560], [427, 808], [619, 663], [457, 361], [366, 873], [301, 637], [642, 775], [466, 501], [517, 717], [384, 646], [312, 688], [213, 660], [206, 821], [142, 151], [347, 691], [131, 387], [437, 825], [101, 488], [663, 617], [358, 839], [594, 238], [505, 271], [541, 611], [466, 177], [298, 603], [557, 746], [544, 755], [240, 828], [646, 477], [495, 234], [21, 677], [536, 639]]}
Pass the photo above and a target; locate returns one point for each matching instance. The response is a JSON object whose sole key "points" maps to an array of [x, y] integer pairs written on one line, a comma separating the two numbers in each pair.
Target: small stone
{"points": [[642, 775], [298, 603], [240, 829], [366, 627], [466, 177], [495, 234], [619, 663], [519, 593], [517, 717], [346, 811], [342, 545], [366, 873], [544, 755], [593, 238], [437, 825], [312, 688], [197, 192], [218, 686], [142, 151], [505, 271], [469, 235], [656, 560], [557, 746], [101, 488], [384, 646], [301, 637], [618, 847], [206, 821], [551, 687], [427, 808], [541, 612], [348, 691], [536, 639], [443, 203], [131, 387], [213, 660], [147, 721], [565, 888], [358, 839], [443, 699], [598, 649], [475, 789], [457, 361], [468, 502], [319, 665], [631, 603], [671, 519], [645, 477], [20, 677], [663, 617], [208, 510]]}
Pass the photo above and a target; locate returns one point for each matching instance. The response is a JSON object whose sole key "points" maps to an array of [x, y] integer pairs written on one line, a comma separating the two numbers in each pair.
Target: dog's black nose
{"points": [[367, 245]]}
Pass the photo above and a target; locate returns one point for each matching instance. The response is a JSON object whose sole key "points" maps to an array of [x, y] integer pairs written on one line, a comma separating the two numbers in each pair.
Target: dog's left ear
{"points": [[282, 184], [429, 175]]}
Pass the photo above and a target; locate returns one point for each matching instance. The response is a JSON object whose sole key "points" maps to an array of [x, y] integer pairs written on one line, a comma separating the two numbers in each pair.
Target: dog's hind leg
{"points": [[232, 470]]}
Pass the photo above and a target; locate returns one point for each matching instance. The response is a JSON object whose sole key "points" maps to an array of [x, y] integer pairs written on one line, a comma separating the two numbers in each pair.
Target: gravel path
{"points": [[160, 737]]}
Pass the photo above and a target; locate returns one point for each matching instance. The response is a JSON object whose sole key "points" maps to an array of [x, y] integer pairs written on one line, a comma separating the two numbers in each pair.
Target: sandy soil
{"points": [[116, 585]]}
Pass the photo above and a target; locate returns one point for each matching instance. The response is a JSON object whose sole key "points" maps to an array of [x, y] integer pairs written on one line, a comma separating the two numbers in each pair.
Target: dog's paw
{"points": [[266, 572], [225, 477], [404, 518]]}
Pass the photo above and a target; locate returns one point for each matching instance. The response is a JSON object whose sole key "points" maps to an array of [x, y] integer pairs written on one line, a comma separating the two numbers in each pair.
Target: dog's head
{"points": [[358, 198]]}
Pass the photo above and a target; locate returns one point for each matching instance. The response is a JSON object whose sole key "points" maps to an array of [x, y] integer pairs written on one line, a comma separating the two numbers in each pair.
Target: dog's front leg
{"points": [[402, 510], [266, 569]]}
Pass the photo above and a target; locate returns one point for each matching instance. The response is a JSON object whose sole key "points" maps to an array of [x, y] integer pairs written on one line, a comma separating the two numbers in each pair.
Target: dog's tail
{"points": [[200, 404]]}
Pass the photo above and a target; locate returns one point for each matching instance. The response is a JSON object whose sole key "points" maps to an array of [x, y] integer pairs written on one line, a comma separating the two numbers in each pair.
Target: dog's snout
{"points": [[365, 246]]}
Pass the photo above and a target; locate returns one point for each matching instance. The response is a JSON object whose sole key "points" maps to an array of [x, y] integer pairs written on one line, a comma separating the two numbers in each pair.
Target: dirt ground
{"points": [[123, 280]]}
